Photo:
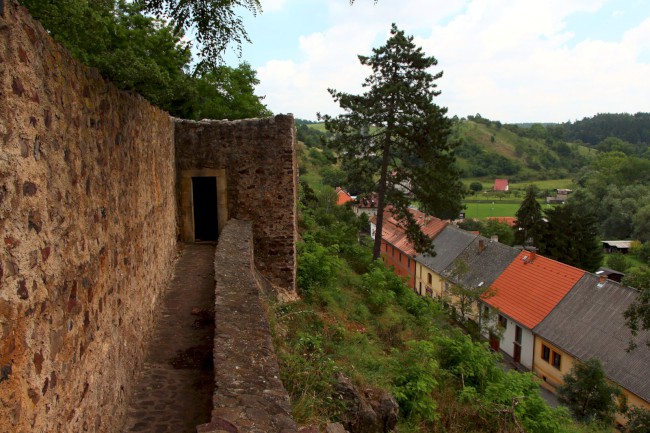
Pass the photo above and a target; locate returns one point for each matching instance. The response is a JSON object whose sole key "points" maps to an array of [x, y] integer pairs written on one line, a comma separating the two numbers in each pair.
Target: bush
{"points": [[618, 262], [414, 382]]}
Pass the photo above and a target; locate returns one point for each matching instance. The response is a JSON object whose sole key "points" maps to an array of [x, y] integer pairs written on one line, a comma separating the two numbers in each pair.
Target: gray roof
{"points": [[482, 266], [589, 323], [448, 245], [618, 244]]}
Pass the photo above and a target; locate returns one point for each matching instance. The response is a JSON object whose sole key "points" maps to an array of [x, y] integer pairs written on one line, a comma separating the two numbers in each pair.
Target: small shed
{"points": [[501, 185], [616, 246]]}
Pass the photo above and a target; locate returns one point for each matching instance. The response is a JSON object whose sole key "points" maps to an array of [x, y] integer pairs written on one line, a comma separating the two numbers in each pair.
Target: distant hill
{"points": [[533, 151], [492, 149], [632, 128]]}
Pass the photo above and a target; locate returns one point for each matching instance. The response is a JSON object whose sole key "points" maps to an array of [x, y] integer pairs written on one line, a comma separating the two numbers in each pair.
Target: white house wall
{"points": [[507, 341]]}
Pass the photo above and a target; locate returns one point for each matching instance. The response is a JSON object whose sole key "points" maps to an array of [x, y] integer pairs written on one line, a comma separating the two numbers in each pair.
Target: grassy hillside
{"points": [[490, 149]]}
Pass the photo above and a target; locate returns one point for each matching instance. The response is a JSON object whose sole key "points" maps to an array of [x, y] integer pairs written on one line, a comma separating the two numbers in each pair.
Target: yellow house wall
{"points": [[437, 282], [553, 376], [632, 400]]}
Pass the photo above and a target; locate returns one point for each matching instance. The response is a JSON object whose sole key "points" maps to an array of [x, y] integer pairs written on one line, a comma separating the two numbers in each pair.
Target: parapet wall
{"points": [[87, 234], [259, 160], [249, 396]]}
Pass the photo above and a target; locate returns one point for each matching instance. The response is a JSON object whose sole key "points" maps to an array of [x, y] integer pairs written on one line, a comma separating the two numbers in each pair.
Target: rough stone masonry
{"points": [[89, 220]]}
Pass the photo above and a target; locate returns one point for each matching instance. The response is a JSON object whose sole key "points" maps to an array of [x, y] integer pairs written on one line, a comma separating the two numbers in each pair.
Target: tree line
{"points": [[141, 46]]}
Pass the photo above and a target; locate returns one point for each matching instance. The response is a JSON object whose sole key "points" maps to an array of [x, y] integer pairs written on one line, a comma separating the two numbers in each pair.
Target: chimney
{"points": [[481, 246], [532, 253], [602, 278]]}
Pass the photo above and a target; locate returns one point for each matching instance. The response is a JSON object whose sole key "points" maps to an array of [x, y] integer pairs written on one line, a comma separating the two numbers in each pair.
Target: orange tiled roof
{"points": [[342, 197], [508, 220], [528, 290], [393, 232]]}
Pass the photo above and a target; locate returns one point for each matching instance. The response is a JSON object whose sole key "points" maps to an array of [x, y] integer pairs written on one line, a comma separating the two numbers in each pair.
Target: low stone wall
{"points": [[249, 396], [87, 234]]}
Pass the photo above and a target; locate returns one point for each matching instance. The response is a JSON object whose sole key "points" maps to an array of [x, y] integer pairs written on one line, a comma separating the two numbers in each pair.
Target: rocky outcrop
{"points": [[368, 411]]}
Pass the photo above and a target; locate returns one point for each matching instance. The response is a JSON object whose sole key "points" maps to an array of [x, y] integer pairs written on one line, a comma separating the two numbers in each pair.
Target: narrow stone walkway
{"points": [[174, 390]]}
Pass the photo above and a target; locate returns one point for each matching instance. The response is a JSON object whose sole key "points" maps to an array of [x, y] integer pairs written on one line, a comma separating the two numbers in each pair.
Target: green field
{"points": [[493, 209], [541, 184]]}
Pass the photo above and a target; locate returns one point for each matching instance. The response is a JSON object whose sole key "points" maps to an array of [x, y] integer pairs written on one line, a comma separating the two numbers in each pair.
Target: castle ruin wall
{"points": [[87, 234]]}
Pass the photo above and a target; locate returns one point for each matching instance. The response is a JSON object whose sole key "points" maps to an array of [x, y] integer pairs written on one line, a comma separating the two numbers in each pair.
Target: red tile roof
{"points": [[342, 197], [528, 289], [508, 220], [500, 184], [393, 232]]}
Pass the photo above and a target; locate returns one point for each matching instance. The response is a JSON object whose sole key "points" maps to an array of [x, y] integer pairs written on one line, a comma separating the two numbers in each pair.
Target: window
{"points": [[400, 257], [546, 353], [486, 311], [408, 262], [557, 360], [429, 279], [393, 251], [386, 245], [503, 322], [518, 334]]}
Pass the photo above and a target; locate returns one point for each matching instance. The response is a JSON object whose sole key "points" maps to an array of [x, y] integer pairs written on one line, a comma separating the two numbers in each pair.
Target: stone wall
{"points": [[87, 234], [249, 396], [259, 160]]}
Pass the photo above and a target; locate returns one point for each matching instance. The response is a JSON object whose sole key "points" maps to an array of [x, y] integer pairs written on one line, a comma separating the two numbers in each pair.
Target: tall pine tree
{"points": [[395, 133], [572, 237], [529, 225]]}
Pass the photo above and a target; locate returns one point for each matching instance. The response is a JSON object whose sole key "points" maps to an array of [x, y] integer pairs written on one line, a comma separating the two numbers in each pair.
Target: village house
{"points": [[484, 260], [524, 294], [342, 196], [501, 185], [447, 246], [397, 250], [542, 314], [589, 323], [366, 204]]}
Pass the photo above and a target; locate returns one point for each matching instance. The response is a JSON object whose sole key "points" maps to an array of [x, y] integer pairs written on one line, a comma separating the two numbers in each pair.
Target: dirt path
{"points": [[174, 391]]}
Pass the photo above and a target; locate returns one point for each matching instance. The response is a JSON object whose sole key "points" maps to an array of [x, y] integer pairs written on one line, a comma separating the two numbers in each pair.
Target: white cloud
{"points": [[511, 61]]}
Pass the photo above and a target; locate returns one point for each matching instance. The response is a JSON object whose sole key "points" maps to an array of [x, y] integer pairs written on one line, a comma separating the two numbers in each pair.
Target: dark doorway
{"points": [[494, 342], [517, 343], [204, 198]]}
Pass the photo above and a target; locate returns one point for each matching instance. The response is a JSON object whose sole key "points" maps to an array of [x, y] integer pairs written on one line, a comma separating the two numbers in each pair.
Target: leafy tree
{"points": [[215, 23], [395, 132], [572, 237], [471, 224], [476, 186], [141, 53], [638, 420], [134, 51], [492, 227], [464, 298], [473, 364], [588, 394], [316, 267], [333, 176], [529, 225], [414, 380], [637, 314], [641, 222], [618, 262], [224, 92]]}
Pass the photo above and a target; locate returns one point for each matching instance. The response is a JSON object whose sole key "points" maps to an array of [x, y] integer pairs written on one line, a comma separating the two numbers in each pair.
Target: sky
{"points": [[507, 60]]}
